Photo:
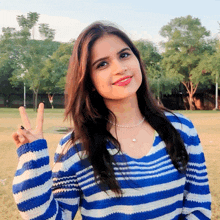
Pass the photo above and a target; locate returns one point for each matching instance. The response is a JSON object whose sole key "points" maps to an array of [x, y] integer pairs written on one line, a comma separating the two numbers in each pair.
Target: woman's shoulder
{"points": [[183, 124], [67, 149], [185, 127], [179, 119], [65, 139]]}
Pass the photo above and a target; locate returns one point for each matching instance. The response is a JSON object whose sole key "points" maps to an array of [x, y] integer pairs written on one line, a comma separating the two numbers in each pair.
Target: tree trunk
{"points": [[33, 99], [216, 93], [36, 96], [191, 102], [191, 89]]}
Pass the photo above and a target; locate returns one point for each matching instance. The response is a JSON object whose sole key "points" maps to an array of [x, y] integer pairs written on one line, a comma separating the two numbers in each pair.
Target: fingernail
{"points": [[22, 127]]}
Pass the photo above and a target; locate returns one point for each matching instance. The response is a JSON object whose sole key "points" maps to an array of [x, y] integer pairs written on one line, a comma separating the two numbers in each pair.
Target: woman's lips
{"points": [[123, 81]]}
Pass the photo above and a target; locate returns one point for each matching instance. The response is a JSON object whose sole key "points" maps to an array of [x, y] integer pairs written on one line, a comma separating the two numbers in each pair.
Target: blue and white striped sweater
{"points": [[152, 187]]}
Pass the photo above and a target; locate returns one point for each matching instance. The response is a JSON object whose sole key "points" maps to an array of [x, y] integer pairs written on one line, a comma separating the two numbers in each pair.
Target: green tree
{"points": [[186, 47], [149, 53], [31, 64], [46, 32], [160, 81], [32, 55], [28, 23], [8, 54], [55, 71], [210, 65], [6, 90]]}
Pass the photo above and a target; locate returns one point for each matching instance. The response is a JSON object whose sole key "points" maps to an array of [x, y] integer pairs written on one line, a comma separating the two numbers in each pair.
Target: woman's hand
{"points": [[26, 134]]}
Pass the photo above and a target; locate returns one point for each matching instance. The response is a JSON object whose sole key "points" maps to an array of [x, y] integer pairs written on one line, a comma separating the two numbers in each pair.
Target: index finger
{"points": [[24, 118], [40, 117]]}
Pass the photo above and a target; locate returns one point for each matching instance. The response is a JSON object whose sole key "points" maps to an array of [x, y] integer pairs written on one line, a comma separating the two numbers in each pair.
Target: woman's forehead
{"points": [[107, 44]]}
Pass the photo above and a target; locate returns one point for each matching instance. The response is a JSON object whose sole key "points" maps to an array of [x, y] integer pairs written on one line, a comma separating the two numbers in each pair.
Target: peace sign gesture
{"points": [[27, 134]]}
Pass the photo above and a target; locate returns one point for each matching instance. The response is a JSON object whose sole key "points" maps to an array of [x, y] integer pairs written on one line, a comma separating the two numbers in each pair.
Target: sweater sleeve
{"points": [[35, 193], [197, 198]]}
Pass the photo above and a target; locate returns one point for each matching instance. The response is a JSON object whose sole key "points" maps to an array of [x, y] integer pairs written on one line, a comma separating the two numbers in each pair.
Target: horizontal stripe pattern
{"points": [[152, 187]]}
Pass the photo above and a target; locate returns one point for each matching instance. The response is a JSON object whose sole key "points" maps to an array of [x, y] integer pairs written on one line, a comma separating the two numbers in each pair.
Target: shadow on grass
{"points": [[58, 130], [62, 130]]}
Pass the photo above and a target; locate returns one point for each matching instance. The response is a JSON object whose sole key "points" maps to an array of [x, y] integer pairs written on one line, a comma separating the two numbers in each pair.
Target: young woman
{"points": [[127, 157]]}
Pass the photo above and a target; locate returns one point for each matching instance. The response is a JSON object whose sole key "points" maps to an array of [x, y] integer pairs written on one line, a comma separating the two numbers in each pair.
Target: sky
{"points": [[140, 19]]}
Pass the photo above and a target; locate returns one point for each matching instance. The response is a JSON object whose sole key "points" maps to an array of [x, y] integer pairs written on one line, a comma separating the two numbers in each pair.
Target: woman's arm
{"points": [[197, 198], [35, 193]]}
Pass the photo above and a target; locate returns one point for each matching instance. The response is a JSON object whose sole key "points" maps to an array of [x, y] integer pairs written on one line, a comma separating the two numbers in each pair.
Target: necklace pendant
{"points": [[134, 140]]}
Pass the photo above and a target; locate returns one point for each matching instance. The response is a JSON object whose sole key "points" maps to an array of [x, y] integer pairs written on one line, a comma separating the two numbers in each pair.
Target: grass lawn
{"points": [[207, 124]]}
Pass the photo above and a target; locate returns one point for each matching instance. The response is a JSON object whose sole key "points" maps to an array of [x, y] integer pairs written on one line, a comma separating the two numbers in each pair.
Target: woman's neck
{"points": [[126, 111]]}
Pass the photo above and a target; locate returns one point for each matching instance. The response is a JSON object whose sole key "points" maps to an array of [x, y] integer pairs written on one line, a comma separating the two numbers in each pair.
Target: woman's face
{"points": [[115, 70]]}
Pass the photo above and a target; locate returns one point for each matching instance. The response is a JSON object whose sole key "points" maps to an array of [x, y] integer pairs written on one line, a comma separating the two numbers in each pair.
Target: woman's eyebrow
{"points": [[124, 49], [104, 58]]}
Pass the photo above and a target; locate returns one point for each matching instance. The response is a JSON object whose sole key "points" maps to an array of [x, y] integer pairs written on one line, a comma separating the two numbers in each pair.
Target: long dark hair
{"points": [[89, 114]]}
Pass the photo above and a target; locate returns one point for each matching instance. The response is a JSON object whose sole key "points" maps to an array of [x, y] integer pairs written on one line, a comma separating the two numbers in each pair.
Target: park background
{"points": [[179, 44]]}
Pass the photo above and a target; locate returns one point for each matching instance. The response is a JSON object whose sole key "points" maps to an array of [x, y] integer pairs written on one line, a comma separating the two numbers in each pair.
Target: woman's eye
{"points": [[124, 55], [101, 64]]}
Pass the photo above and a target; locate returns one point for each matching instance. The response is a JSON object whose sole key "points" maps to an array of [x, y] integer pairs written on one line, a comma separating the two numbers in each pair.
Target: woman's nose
{"points": [[118, 67]]}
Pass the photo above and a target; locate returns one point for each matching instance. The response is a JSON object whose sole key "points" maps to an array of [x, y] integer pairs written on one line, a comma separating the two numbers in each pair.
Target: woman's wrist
{"points": [[34, 146]]}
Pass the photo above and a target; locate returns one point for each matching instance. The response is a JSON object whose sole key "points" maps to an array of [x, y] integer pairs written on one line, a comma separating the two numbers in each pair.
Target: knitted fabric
{"points": [[152, 187]]}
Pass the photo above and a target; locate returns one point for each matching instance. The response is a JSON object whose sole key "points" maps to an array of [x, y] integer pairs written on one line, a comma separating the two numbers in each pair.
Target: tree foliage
{"points": [[189, 57], [46, 32], [211, 64], [148, 51], [8, 54], [28, 23], [28, 56], [186, 47], [161, 82], [55, 71]]}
